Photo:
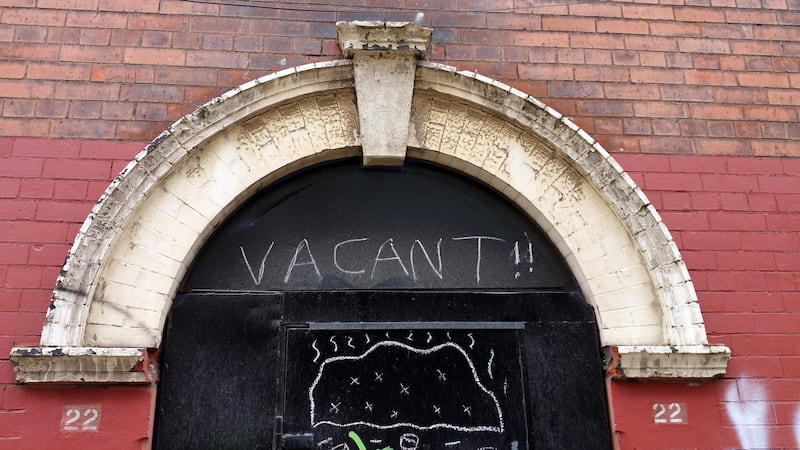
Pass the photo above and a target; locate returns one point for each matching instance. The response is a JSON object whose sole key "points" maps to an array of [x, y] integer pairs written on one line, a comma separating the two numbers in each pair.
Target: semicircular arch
{"points": [[129, 257]]}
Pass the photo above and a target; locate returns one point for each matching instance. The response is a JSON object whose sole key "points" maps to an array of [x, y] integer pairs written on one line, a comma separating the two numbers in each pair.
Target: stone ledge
{"points": [[83, 365], [667, 361], [382, 36]]}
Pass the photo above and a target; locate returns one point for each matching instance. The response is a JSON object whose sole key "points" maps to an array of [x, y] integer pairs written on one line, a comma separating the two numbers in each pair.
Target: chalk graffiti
{"points": [[401, 408], [350, 258], [408, 441]]}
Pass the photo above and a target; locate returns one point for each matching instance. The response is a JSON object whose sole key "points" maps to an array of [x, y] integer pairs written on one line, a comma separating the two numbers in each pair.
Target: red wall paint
{"points": [[734, 219], [32, 417]]}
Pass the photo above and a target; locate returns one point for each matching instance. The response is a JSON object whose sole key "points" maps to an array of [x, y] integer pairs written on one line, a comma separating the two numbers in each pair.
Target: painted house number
{"points": [[81, 418], [670, 413]]}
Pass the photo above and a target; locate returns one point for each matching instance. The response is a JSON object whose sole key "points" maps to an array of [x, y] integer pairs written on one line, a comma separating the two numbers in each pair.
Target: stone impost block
{"points": [[83, 365]]}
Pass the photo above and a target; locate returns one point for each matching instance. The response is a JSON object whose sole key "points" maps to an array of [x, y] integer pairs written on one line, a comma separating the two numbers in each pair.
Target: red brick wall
{"points": [[698, 99], [690, 77]]}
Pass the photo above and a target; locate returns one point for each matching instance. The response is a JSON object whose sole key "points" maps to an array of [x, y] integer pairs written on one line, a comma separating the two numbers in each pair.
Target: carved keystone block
{"points": [[384, 61]]}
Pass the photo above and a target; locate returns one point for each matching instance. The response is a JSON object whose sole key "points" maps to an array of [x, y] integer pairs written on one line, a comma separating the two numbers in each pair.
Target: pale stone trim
{"points": [[66, 318], [82, 365], [122, 271], [684, 361], [384, 56]]}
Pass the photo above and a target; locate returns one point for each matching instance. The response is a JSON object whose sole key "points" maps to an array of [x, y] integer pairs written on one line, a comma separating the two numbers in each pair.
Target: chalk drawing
{"points": [[396, 257], [325, 441], [479, 240], [336, 256], [257, 279], [409, 441], [359, 443], [471, 340], [302, 245], [748, 417], [430, 337], [332, 340], [478, 423], [314, 346], [350, 342], [491, 360], [438, 271]]}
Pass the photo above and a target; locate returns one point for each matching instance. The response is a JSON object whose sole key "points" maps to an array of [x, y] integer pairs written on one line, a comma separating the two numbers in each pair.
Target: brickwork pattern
{"points": [[737, 222], [670, 76], [744, 268]]}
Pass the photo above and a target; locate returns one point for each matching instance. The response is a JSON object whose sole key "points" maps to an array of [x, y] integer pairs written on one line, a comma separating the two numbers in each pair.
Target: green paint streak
{"points": [[354, 436]]}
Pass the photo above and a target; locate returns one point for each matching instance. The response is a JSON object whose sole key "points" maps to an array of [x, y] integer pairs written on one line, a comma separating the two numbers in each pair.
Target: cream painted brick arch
{"points": [[133, 250]]}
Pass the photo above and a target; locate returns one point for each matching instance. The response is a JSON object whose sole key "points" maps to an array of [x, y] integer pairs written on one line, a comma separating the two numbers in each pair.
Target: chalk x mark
{"points": [[315, 422]]}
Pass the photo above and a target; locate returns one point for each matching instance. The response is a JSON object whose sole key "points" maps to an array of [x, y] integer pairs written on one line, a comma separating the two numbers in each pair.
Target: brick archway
{"points": [[121, 274]]}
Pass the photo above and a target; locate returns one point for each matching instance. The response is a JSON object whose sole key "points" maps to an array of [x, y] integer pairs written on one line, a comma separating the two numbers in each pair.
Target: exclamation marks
{"points": [[520, 258]]}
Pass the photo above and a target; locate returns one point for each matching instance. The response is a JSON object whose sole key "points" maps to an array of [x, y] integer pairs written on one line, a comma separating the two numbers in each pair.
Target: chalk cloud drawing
{"points": [[748, 417], [400, 407]]}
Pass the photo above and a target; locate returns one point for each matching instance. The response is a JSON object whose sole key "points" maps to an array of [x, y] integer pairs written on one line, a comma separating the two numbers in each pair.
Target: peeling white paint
{"points": [[749, 417]]}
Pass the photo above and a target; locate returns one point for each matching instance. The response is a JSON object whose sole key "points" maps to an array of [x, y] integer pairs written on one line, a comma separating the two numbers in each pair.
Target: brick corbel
{"points": [[384, 58]]}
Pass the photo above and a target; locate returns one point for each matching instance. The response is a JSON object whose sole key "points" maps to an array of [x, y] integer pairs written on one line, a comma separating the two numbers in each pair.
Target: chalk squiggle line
{"points": [[314, 346], [491, 360]]}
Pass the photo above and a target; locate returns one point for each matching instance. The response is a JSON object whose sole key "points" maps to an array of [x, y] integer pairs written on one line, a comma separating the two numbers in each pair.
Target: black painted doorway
{"points": [[353, 309]]}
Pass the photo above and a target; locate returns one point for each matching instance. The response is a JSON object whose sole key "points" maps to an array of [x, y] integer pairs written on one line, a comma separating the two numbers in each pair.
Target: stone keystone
{"points": [[384, 58]]}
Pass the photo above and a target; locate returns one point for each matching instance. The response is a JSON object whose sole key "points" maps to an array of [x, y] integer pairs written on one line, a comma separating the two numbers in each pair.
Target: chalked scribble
{"points": [[404, 406]]}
